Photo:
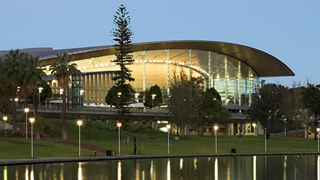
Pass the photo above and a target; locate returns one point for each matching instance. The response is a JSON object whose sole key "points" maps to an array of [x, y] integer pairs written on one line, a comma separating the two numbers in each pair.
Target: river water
{"points": [[293, 167]]}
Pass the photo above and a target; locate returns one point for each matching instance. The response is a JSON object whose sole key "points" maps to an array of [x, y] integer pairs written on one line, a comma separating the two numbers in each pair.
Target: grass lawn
{"points": [[104, 135]]}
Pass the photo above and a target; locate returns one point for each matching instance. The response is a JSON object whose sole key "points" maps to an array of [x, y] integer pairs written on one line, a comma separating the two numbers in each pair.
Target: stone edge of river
{"points": [[39, 160]]}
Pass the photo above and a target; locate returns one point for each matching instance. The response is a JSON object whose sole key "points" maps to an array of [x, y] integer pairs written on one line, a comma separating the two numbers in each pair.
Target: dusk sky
{"points": [[286, 29]]}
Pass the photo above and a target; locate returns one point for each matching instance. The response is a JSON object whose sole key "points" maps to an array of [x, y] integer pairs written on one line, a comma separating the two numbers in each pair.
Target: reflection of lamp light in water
{"points": [[31, 173], [318, 165], [195, 163], [79, 171], [254, 167], [168, 170], [216, 169], [285, 168], [119, 170], [26, 175], [181, 163]]}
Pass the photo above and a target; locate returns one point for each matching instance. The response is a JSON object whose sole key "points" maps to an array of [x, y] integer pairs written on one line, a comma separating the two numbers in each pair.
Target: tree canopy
{"points": [[122, 36], [269, 105]]}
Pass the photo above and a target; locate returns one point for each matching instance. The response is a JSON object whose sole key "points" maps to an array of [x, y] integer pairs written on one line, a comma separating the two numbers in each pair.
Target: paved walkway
{"points": [[4, 162]]}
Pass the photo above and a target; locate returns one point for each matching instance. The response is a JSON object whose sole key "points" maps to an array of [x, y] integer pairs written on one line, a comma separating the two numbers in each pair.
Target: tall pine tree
{"points": [[122, 36]]}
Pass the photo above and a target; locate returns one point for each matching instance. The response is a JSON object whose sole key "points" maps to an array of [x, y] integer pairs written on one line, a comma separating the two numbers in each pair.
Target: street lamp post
{"points": [[216, 144], [318, 129], [254, 128], [16, 100], [81, 99], [137, 97], [40, 90], [31, 121], [79, 124], [26, 110], [119, 125], [153, 96], [265, 139], [285, 127], [168, 127], [119, 94], [4, 127], [61, 91]]}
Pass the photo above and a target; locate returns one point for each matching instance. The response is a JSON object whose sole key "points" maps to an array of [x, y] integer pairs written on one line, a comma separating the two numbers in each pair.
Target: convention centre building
{"points": [[234, 70]]}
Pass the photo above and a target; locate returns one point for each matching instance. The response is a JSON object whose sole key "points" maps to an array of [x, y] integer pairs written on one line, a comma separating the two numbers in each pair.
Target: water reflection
{"points": [[318, 169], [168, 170], [79, 172], [229, 168], [119, 170], [216, 169], [254, 167]]}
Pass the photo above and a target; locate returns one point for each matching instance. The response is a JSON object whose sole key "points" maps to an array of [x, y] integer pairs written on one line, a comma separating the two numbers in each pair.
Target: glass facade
{"points": [[233, 79]]}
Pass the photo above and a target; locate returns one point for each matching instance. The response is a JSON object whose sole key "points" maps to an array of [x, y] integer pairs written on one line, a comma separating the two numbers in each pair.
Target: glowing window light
{"points": [[154, 60], [137, 61], [106, 64], [161, 60], [112, 63], [84, 67], [101, 64], [141, 61]]}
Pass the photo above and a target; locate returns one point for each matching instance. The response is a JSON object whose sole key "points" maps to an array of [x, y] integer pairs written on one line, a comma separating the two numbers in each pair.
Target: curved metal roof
{"points": [[264, 64]]}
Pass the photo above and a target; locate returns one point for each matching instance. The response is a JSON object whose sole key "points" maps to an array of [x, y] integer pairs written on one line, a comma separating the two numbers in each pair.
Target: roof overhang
{"points": [[264, 64]]}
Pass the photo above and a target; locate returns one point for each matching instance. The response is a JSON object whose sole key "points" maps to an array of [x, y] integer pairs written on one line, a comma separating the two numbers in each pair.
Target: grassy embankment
{"points": [[104, 135]]}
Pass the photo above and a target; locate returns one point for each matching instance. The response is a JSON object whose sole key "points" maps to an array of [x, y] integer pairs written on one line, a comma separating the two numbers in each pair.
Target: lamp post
{"points": [[153, 96], [119, 94], [285, 127], [61, 91], [4, 127], [216, 144], [26, 110], [81, 99], [265, 139], [79, 124], [318, 129], [31, 121], [16, 100], [168, 127], [119, 125], [254, 128], [40, 90], [137, 97]]}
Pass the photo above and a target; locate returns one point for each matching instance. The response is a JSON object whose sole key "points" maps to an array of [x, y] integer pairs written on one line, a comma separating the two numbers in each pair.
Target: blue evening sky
{"points": [[286, 29]]}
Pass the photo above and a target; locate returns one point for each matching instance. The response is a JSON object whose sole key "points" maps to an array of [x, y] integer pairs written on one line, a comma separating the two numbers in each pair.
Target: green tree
{"points": [[11, 68], [112, 96], [5, 90], [268, 105], [210, 111], [30, 77], [154, 90], [311, 100], [122, 36], [46, 91], [63, 68], [185, 100]]}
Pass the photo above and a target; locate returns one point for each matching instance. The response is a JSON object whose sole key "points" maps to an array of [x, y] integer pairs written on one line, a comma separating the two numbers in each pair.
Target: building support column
{"points": [[144, 75], [168, 72], [226, 77], [209, 71], [239, 83]]}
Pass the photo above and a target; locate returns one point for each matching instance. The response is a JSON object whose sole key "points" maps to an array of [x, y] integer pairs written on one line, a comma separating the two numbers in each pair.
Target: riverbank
{"points": [[41, 160]]}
